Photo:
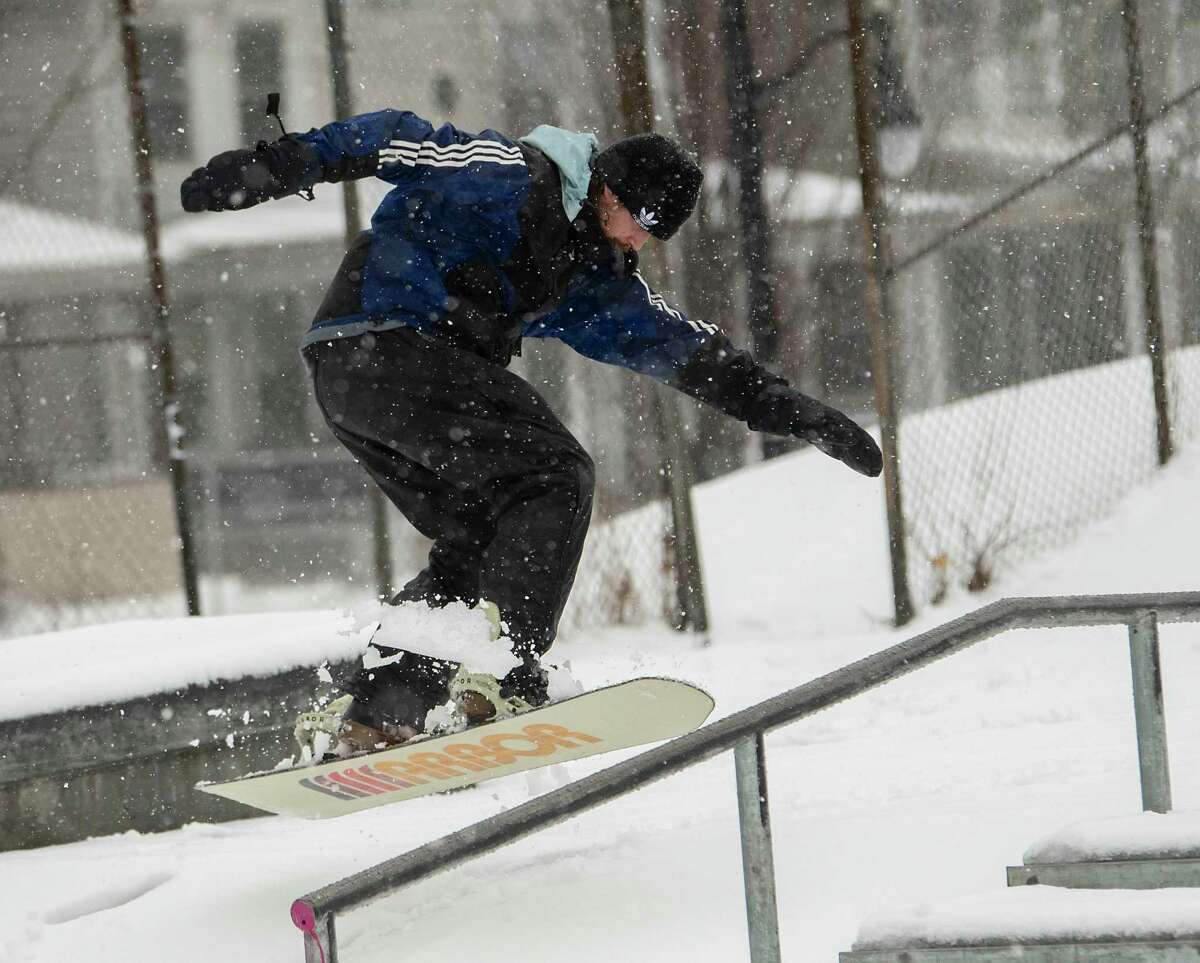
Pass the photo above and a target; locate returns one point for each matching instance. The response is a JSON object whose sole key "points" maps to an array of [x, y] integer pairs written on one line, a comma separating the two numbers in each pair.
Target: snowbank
{"points": [[101, 664]]}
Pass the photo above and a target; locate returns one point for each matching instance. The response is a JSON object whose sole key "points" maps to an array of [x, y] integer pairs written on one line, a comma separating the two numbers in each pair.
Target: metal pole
{"points": [[169, 443], [877, 253], [343, 108], [637, 111], [1149, 715], [1151, 297], [758, 865]]}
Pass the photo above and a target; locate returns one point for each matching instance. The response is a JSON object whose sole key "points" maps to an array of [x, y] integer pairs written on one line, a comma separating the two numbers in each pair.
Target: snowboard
{"points": [[616, 717]]}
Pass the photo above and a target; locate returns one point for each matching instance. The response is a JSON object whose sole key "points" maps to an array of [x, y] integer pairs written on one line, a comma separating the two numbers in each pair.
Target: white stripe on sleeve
{"points": [[657, 301], [429, 154]]}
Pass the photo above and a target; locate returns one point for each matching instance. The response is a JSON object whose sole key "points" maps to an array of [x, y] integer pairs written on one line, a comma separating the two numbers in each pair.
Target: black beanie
{"points": [[656, 180]]}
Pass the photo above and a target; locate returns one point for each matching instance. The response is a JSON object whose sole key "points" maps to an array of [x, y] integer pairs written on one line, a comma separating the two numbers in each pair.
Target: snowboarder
{"points": [[483, 241]]}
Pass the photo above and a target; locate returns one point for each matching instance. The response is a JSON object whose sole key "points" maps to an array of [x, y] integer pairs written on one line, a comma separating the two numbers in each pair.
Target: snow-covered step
{"points": [[1037, 924], [1161, 952], [1109, 874], [1146, 851]]}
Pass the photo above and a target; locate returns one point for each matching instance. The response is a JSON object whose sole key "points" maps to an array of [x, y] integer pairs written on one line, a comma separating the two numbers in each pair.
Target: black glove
{"points": [[721, 375], [237, 179], [784, 410]]}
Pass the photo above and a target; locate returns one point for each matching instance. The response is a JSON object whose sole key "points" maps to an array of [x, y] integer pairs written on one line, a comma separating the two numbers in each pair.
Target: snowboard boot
{"points": [[481, 697], [318, 732], [382, 706]]}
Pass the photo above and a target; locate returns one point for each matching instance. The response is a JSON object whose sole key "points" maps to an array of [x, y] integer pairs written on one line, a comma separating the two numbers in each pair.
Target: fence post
{"points": [[170, 442], [628, 28], [1151, 297], [877, 257], [1148, 714], [758, 864]]}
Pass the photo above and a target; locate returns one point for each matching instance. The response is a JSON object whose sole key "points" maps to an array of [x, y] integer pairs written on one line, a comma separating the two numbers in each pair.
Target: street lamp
{"points": [[896, 116]]}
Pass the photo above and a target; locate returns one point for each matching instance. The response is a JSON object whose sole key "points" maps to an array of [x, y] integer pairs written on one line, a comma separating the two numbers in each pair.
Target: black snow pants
{"points": [[475, 459]]}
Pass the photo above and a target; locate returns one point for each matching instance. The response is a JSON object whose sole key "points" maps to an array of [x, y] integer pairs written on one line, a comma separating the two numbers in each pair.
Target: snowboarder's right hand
{"points": [[237, 179]]}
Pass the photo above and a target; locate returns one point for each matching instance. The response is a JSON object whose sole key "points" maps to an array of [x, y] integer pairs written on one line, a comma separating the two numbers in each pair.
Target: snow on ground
{"points": [[920, 791]]}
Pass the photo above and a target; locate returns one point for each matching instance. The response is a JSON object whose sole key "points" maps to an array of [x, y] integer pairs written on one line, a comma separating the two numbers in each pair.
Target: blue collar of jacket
{"points": [[572, 154]]}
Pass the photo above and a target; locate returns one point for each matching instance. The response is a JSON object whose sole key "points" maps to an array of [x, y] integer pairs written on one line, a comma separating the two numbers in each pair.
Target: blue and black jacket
{"points": [[483, 241]]}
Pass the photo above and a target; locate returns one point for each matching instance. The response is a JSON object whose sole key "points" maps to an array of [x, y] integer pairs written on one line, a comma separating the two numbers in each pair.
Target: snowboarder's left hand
{"points": [[785, 410], [841, 438]]}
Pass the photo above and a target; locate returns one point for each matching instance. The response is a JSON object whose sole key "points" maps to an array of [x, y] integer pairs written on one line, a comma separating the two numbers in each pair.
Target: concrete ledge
{"points": [[1109, 874], [1172, 951], [132, 765]]}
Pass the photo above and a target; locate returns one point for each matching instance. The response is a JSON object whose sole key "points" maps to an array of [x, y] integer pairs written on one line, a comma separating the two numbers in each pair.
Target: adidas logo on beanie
{"points": [[654, 178]]}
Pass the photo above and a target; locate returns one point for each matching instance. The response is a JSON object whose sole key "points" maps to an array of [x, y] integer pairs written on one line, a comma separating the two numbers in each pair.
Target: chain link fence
{"points": [[1027, 406], [1028, 400]]}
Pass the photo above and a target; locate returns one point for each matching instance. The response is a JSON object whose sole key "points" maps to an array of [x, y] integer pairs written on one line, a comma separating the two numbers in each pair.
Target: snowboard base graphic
{"points": [[616, 717]]}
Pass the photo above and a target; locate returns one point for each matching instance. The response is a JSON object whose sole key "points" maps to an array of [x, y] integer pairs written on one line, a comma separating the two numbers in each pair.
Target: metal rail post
{"points": [[1148, 714], [758, 864], [320, 934]]}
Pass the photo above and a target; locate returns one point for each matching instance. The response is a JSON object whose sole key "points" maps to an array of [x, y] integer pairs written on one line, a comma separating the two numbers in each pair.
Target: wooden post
{"points": [[1151, 296], [877, 255]]}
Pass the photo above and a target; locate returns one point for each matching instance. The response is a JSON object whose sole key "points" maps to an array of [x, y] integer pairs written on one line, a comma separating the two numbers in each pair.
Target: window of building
{"points": [[1029, 32], [190, 332], [280, 380], [445, 94], [530, 95], [164, 84], [259, 53], [59, 396], [1186, 249]]}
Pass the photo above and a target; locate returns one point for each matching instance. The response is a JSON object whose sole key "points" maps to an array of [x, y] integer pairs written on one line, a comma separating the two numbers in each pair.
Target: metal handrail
{"points": [[743, 731]]}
